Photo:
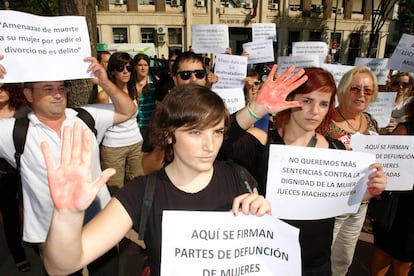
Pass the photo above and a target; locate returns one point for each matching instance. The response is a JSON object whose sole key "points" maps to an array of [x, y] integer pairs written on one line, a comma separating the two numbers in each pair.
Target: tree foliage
{"points": [[38, 7], [379, 16]]}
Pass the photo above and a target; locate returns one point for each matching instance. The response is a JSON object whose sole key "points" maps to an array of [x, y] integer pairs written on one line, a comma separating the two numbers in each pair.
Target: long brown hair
{"points": [[318, 80]]}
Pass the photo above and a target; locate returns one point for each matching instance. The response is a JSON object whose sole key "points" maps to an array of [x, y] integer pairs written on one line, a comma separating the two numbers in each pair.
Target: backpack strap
{"points": [[19, 138], [87, 118], [241, 176], [150, 182], [21, 125]]}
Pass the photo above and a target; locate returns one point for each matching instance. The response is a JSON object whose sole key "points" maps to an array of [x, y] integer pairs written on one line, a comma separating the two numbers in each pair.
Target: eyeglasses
{"points": [[50, 89], [357, 90], [255, 83], [121, 68], [402, 84], [186, 75]]}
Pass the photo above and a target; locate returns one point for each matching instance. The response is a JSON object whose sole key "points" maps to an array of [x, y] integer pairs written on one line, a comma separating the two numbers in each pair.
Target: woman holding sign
{"points": [[356, 90], [395, 246]]}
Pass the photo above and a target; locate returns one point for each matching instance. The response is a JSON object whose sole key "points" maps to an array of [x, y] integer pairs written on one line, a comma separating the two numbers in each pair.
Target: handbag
{"points": [[382, 210]]}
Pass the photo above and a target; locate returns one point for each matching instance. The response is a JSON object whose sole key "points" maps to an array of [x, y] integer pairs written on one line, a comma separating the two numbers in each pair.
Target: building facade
{"points": [[344, 25]]}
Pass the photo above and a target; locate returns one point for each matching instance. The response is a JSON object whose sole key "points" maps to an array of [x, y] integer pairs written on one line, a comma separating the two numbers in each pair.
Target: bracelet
{"points": [[251, 113]]}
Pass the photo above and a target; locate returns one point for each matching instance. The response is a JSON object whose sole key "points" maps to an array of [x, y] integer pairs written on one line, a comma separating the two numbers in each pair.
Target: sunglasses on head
{"points": [[186, 75], [358, 89], [402, 84], [121, 68]]}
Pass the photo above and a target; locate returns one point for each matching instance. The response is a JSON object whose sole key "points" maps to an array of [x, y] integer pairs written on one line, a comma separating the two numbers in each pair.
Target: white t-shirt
{"points": [[38, 205]]}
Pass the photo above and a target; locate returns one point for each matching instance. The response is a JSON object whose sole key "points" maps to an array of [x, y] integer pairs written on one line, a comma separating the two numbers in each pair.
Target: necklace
{"points": [[312, 141], [360, 121]]}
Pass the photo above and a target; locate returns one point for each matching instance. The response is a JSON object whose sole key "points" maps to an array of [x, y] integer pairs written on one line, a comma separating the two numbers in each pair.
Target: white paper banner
{"points": [[264, 31], [210, 38], [395, 153], [259, 51], [313, 183], [38, 48], [402, 59], [336, 70], [232, 97], [381, 109], [284, 62], [219, 243], [377, 65], [231, 71], [311, 48]]}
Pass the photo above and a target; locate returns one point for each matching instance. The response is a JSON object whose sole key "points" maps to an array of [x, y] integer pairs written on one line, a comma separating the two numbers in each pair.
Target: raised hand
{"points": [[272, 95], [97, 69], [71, 185], [377, 181]]}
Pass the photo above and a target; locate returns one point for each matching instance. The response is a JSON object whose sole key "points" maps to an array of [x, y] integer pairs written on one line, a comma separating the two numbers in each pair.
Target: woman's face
{"points": [[4, 96], [313, 111], [142, 68], [359, 94], [196, 149], [124, 75], [401, 85]]}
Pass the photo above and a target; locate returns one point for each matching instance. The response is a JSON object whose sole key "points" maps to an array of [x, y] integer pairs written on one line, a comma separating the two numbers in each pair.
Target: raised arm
{"points": [[69, 247], [124, 106], [272, 96]]}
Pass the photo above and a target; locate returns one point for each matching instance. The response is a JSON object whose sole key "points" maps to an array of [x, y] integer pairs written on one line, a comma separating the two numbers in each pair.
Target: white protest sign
{"points": [[38, 48], [402, 57], [232, 97], [377, 65], [314, 183], [310, 48], [381, 109], [264, 31], [336, 70], [219, 243], [284, 62], [210, 38], [259, 51], [395, 153], [231, 71]]}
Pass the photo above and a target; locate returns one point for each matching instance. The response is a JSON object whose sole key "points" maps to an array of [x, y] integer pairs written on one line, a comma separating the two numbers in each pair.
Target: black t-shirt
{"points": [[218, 195]]}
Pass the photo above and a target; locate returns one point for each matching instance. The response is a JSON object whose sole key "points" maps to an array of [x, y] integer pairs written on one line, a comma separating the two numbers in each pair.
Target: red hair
{"points": [[318, 80]]}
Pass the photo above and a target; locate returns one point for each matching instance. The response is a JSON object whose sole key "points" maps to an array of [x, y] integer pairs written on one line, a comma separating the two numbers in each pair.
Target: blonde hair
{"points": [[346, 80]]}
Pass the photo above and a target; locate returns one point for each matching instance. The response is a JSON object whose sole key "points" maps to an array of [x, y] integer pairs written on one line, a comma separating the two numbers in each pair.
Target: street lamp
{"points": [[334, 42]]}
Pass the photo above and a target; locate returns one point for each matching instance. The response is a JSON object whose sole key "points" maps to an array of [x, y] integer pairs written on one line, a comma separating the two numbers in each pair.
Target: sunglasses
{"points": [[121, 68], [357, 90], [255, 83], [402, 84], [186, 75]]}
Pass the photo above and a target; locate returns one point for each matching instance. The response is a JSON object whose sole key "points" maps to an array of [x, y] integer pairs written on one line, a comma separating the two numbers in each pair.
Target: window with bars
{"points": [[175, 36], [147, 35], [120, 35]]}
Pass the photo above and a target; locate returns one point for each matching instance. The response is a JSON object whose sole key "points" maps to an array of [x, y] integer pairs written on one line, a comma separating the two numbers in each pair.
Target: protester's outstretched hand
{"points": [[71, 185], [272, 95], [377, 181], [99, 72], [2, 69], [252, 203]]}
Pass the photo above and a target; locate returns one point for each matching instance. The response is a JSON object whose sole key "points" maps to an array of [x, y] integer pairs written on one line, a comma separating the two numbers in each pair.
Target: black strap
{"points": [[151, 180], [21, 126], [87, 118], [19, 138], [241, 175]]}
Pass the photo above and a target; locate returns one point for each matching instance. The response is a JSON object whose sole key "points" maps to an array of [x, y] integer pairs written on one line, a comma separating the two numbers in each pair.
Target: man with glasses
{"points": [[47, 121]]}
